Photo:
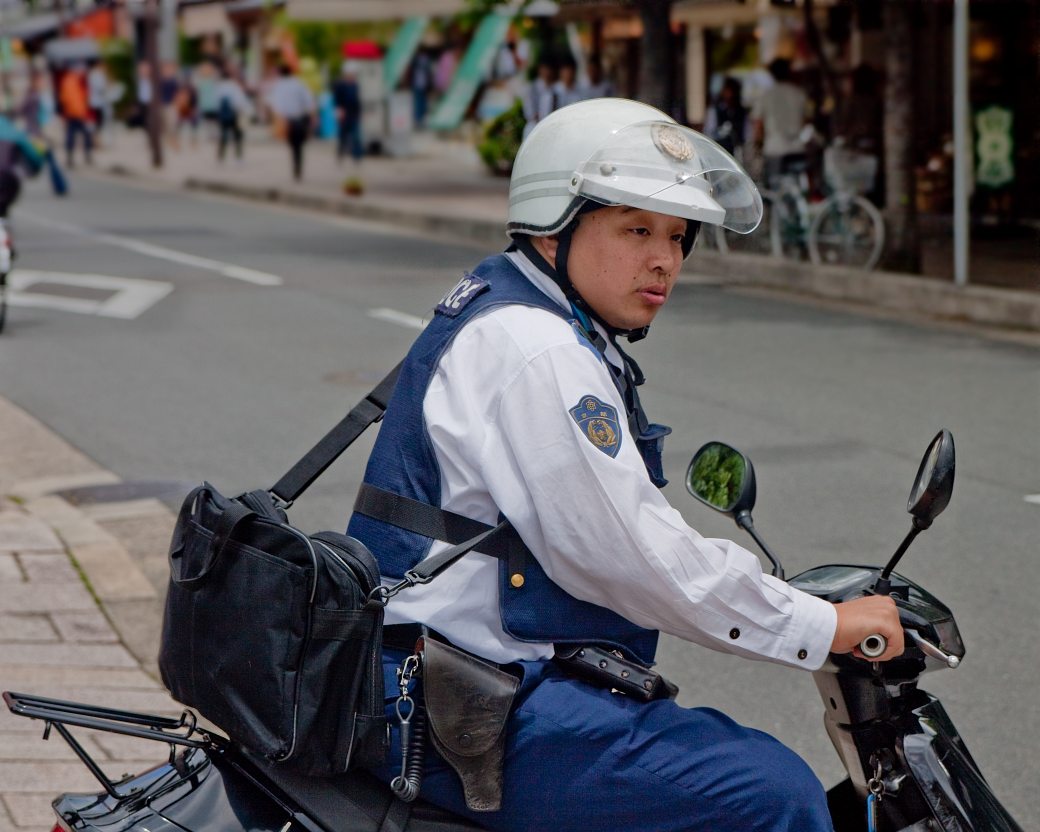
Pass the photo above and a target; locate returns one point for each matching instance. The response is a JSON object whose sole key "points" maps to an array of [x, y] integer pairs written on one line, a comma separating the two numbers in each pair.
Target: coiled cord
{"points": [[406, 785]]}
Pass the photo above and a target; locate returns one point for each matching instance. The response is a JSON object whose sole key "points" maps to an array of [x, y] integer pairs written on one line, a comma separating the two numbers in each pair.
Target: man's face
{"points": [[625, 261]]}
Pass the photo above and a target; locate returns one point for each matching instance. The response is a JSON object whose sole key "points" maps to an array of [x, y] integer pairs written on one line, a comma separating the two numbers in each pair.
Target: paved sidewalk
{"points": [[78, 618], [444, 188]]}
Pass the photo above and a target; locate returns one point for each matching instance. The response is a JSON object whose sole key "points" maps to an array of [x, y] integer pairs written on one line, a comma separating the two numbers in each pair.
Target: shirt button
{"points": [[734, 633], [803, 654]]}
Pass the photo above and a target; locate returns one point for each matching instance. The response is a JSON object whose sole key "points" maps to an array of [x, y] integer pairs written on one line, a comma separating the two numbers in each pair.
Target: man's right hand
{"points": [[866, 616]]}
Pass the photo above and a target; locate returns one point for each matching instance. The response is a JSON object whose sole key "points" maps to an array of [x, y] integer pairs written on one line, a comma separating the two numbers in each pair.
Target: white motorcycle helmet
{"points": [[619, 152], [612, 151]]}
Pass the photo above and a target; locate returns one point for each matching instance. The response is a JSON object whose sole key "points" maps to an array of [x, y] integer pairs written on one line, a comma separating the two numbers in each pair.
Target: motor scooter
{"points": [[908, 768]]}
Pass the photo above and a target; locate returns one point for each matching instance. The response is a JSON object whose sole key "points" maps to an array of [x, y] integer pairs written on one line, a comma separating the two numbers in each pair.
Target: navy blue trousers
{"points": [[582, 758]]}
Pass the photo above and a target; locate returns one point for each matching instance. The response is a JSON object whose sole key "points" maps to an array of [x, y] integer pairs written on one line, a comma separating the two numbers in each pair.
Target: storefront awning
{"points": [[30, 28], [371, 9], [198, 21], [66, 51]]}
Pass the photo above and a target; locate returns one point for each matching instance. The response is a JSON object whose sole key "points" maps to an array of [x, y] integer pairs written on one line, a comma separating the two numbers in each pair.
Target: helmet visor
{"points": [[665, 167]]}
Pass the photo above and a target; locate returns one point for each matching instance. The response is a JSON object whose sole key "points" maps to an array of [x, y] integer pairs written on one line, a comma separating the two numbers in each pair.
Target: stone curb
{"points": [[899, 292], [111, 572]]}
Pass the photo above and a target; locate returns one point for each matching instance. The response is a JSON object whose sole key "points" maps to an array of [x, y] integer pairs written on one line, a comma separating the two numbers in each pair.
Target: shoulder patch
{"points": [[465, 290], [599, 422]]}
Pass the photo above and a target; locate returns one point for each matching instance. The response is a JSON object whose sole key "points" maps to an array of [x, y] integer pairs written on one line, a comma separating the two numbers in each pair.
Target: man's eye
{"points": [[678, 238], [642, 232]]}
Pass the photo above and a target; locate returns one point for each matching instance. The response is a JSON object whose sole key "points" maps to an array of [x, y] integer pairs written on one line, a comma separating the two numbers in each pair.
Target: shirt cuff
{"points": [[813, 624]]}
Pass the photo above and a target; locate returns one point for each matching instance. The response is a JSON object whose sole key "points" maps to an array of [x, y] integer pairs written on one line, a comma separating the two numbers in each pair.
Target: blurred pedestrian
{"points": [[169, 87], [98, 97], [779, 116], [75, 109], [727, 118], [540, 99], [421, 82], [18, 156], [599, 86], [35, 110], [444, 69], [291, 101], [186, 105], [205, 80], [346, 98], [566, 90], [232, 104], [143, 91]]}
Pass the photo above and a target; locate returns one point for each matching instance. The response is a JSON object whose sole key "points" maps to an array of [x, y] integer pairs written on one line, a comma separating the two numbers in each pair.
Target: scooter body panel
{"points": [[949, 780]]}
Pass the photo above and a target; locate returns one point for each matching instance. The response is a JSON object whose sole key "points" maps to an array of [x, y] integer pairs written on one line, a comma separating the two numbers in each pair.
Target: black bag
{"points": [[275, 636], [266, 630]]}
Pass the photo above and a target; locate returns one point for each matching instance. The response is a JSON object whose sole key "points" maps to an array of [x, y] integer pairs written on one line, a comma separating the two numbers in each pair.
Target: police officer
{"points": [[517, 401]]}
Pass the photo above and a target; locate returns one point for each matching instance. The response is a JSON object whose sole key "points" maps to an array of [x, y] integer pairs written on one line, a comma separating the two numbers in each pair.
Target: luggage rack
{"points": [[59, 714]]}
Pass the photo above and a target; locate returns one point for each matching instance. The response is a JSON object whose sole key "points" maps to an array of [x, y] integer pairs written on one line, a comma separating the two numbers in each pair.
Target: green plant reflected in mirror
{"points": [[718, 476]]}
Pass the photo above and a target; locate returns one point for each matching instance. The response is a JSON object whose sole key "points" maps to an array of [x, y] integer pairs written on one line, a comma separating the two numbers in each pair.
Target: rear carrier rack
{"points": [[59, 714]]}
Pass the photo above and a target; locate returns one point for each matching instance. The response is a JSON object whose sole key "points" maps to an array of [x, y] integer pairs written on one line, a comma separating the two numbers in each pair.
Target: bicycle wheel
{"points": [[847, 232], [3, 299], [763, 240]]}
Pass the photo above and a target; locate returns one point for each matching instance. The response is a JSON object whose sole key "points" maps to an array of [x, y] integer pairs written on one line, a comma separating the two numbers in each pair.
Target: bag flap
{"points": [[467, 699]]}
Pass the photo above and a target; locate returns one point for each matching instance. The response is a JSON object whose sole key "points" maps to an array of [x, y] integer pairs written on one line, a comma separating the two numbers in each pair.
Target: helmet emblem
{"points": [[671, 142]]}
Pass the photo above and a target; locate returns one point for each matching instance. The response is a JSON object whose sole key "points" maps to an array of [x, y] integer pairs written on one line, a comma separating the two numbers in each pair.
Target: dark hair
{"points": [[284, 70], [780, 69], [733, 85]]}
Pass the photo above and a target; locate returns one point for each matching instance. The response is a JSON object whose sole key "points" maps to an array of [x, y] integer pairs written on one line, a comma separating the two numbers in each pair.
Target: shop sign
{"points": [[994, 147]]}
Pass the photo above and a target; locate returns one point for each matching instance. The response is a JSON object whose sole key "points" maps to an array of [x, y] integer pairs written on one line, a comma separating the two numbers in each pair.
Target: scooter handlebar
{"points": [[873, 645]]}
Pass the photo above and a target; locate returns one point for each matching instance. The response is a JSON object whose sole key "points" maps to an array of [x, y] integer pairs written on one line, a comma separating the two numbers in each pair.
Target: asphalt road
{"points": [[256, 328]]}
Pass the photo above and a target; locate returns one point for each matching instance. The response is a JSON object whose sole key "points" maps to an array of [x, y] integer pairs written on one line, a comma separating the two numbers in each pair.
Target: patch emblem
{"points": [[465, 290], [671, 142], [599, 423]]}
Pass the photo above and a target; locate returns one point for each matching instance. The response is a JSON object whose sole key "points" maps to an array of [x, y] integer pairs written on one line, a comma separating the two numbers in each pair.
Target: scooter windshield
{"points": [[665, 167]]}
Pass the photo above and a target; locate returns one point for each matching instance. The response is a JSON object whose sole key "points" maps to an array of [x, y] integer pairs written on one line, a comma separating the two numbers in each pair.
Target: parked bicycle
{"points": [[845, 229]]}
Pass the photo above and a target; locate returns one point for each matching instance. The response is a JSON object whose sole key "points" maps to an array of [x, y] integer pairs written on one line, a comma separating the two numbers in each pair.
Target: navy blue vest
{"points": [[403, 461]]}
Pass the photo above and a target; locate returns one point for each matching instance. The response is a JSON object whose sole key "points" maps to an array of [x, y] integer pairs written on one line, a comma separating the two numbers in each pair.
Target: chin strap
{"points": [[559, 276]]}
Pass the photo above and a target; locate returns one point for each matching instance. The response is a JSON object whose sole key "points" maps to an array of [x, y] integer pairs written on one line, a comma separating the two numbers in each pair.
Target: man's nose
{"points": [[665, 256]]}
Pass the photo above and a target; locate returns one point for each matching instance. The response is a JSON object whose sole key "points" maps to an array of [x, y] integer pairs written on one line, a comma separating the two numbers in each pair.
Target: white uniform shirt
{"points": [[497, 414]]}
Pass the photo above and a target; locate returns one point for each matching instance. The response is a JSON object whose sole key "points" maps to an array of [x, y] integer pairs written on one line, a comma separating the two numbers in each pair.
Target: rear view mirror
{"points": [[934, 484], [723, 478]]}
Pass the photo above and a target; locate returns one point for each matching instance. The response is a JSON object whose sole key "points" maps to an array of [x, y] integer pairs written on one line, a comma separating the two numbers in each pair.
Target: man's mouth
{"points": [[655, 294]]}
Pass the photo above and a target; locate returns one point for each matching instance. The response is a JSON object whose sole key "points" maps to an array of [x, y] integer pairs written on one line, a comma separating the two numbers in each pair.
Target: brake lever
{"points": [[930, 649], [875, 645]]}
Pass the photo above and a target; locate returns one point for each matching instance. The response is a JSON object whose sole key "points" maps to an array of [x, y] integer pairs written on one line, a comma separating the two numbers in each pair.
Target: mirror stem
{"points": [[743, 520], [887, 571]]}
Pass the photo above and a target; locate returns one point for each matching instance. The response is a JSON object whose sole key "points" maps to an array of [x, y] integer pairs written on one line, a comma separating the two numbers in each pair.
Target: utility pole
{"points": [[151, 48]]}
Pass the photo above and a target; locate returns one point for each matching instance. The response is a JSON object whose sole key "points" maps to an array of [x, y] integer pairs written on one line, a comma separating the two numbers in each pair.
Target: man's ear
{"points": [[547, 247]]}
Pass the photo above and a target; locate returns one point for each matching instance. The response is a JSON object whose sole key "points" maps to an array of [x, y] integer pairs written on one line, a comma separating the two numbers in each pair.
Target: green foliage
{"points": [[118, 57], [718, 476], [501, 139]]}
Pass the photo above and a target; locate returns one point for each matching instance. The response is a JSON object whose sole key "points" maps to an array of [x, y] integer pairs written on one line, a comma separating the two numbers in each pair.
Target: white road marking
{"points": [[162, 252], [395, 317], [130, 297], [1032, 498]]}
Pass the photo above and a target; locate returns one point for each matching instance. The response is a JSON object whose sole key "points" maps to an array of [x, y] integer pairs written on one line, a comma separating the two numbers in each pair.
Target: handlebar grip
{"points": [[873, 645]]}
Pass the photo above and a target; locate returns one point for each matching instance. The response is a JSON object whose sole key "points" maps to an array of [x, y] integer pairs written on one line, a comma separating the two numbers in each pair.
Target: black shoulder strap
{"points": [[431, 521], [370, 409]]}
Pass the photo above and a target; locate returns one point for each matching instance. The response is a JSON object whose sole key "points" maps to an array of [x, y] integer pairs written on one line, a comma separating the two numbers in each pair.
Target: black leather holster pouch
{"points": [[468, 701], [609, 669]]}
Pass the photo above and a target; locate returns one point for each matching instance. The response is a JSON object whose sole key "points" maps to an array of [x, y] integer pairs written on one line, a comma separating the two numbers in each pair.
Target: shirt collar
{"points": [[546, 285]]}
